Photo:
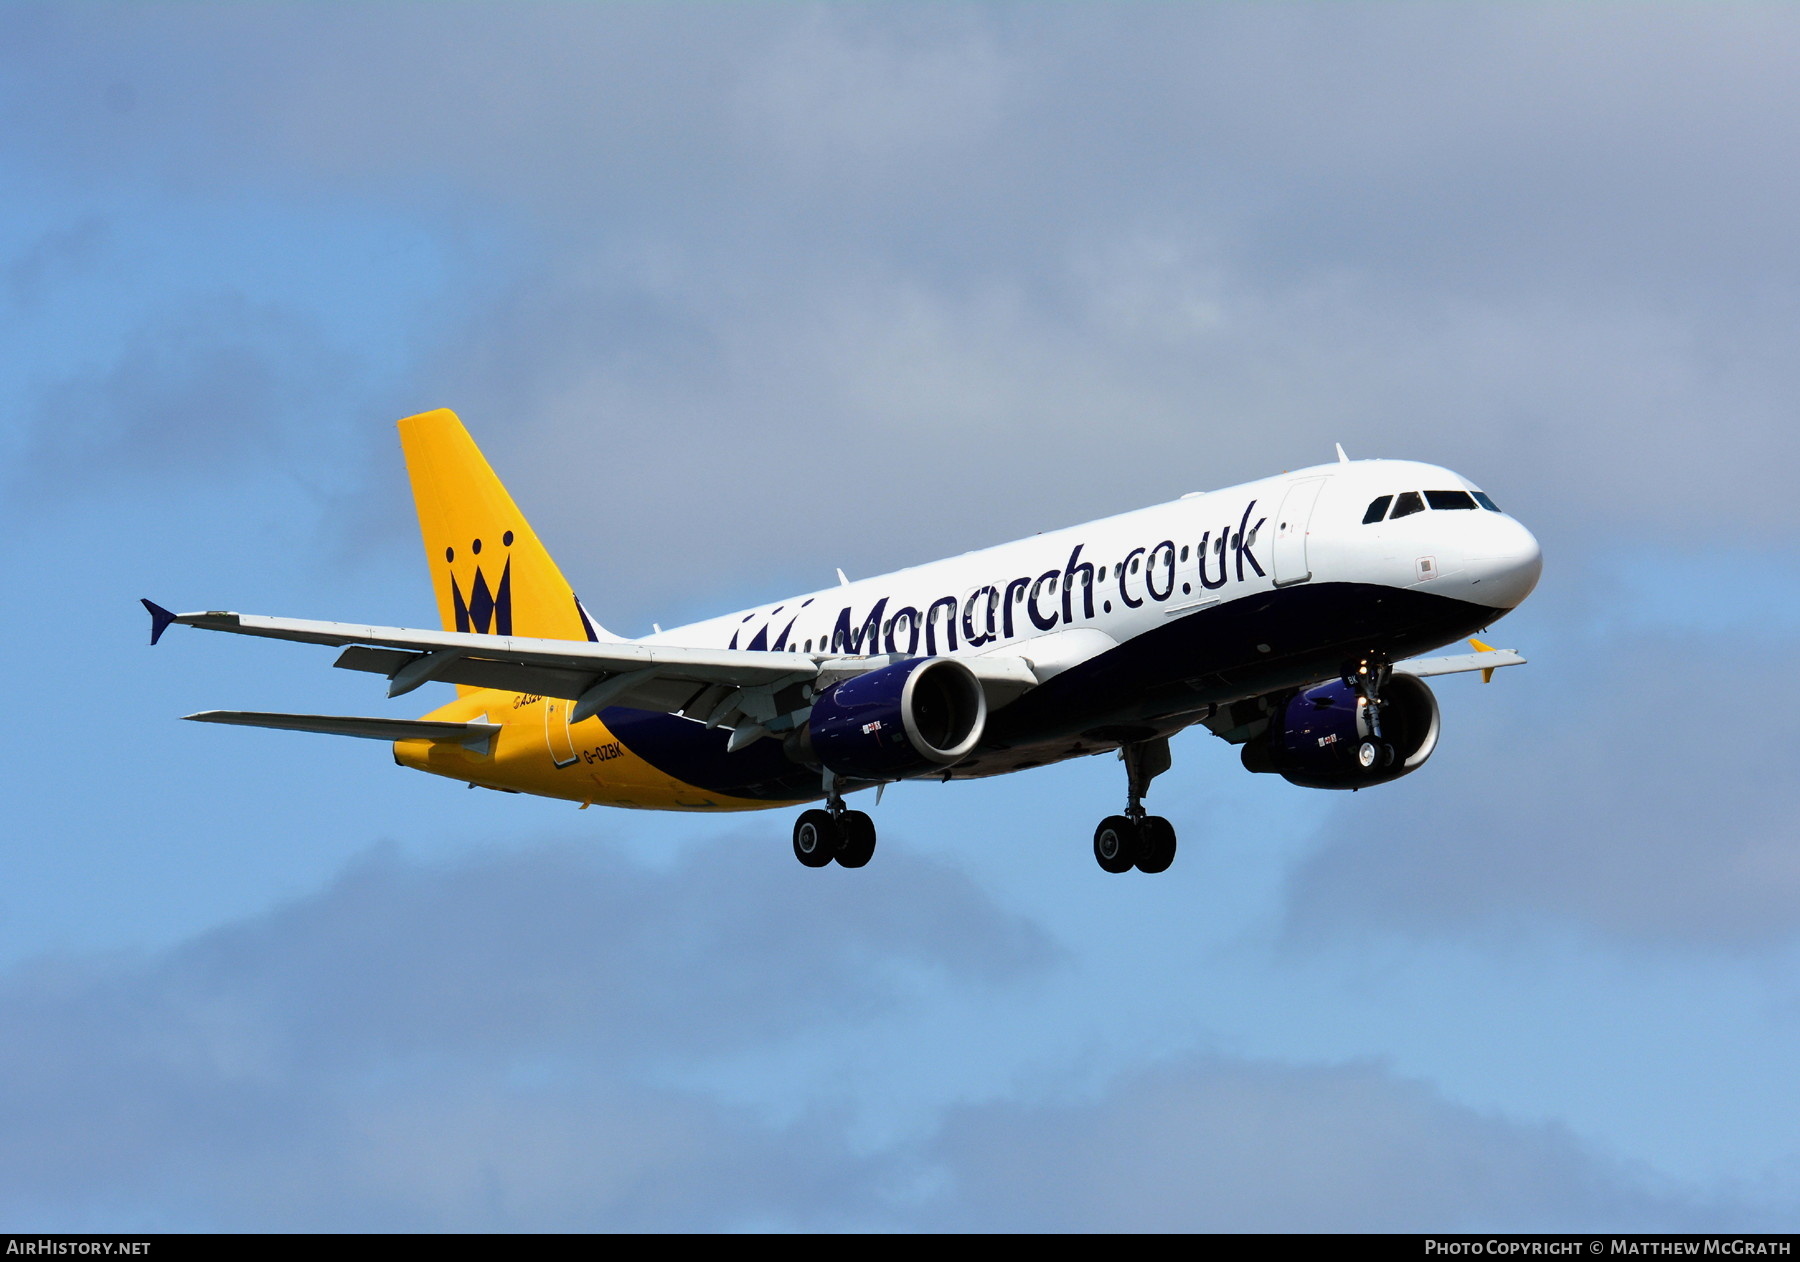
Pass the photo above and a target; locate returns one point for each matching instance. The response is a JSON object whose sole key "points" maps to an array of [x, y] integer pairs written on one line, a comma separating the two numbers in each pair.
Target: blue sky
{"points": [[736, 295]]}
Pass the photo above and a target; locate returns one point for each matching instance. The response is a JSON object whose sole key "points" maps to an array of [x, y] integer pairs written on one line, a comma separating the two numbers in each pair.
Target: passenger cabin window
{"points": [[1407, 503], [1481, 498], [1378, 509], [1450, 499]]}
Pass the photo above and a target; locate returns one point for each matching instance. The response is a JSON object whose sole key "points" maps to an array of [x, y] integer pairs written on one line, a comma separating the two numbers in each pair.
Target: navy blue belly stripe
{"points": [[1214, 653], [684, 749]]}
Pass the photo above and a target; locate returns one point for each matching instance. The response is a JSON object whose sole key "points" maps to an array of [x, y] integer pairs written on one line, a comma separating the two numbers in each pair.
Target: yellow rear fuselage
{"points": [[537, 750]]}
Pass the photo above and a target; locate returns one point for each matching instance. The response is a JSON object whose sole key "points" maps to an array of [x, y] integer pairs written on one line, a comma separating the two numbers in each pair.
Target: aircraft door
{"points": [[556, 730], [1291, 525]]}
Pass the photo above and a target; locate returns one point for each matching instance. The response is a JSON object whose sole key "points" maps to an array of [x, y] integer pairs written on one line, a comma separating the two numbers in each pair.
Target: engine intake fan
{"points": [[896, 721]]}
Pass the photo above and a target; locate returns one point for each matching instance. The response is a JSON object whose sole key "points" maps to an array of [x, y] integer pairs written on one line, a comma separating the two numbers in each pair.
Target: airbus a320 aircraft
{"points": [[1283, 615]]}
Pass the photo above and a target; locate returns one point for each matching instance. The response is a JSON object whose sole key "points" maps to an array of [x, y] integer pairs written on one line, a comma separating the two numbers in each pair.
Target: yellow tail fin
{"points": [[489, 571]]}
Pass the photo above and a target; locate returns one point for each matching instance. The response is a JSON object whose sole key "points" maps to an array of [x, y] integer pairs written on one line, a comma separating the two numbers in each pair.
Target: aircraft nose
{"points": [[1504, 563]]}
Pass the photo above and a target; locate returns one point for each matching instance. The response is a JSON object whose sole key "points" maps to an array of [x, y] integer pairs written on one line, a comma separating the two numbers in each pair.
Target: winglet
{"points": [[1342, 458], [160, 619], [1487, 675]]}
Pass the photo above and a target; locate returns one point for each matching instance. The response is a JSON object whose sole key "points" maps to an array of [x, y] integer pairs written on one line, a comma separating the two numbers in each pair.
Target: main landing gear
{"points": [[1368, 676], [1137, 839], [834, 833]]}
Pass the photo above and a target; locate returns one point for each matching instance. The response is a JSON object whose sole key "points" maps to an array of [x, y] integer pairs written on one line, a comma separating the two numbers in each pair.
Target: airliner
{"points": [[1286, 616]]}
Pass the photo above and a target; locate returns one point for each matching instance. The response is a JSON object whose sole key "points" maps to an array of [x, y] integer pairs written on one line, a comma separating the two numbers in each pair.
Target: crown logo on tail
{"points": [[488, 607]]}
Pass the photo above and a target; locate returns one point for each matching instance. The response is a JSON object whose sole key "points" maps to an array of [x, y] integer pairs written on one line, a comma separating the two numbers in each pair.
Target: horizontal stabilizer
{"points": [[476, 736]]}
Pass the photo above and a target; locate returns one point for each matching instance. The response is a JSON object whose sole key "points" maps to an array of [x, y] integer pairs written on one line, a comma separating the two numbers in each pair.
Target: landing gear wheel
{"points": [[1156, 844], [858, 831], [1368, 755], [1116, 844], [816, 838]]}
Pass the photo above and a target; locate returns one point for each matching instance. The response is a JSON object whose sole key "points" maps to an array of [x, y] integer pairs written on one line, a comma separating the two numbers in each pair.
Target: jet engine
{"points": [[1324, 737], [896, 721]]}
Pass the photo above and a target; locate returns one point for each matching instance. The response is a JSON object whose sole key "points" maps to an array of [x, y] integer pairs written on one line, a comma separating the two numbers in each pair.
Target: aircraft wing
{"points": [[716, 686], [592, 674], [1486, 660]]}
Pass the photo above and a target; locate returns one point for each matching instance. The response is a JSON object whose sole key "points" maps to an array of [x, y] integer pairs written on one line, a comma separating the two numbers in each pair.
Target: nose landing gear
{"points": [[834, 833], [1369, 676], [1137, 839]]}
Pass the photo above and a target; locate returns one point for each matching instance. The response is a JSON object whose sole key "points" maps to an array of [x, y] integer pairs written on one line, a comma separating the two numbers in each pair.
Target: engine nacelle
{"points": [[902, 719], [1321, 738]]}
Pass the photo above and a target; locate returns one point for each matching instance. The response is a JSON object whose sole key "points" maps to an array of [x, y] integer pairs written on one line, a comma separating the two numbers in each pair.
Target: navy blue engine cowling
{"points": [[1314, 738], [898, 720]]}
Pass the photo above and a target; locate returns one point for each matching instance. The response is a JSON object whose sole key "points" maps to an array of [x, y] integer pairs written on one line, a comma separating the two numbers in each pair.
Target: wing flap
{"points": [[375, 661], [476, 671]]}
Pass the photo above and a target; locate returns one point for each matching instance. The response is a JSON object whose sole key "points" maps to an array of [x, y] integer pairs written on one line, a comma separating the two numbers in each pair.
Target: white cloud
{"points": [[484, 1044], [518, 1040], [1219, 1144], [210, 387]]}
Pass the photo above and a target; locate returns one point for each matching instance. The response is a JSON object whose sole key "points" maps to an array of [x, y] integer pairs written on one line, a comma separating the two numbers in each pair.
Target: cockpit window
{"points": [[1378, 509], [1450, 499], [1482, 498], [1407, 503]]}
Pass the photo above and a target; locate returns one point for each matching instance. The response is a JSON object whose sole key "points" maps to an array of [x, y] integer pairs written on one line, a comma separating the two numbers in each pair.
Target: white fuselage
{"points": [[1153, 616], [1125, 575]]}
